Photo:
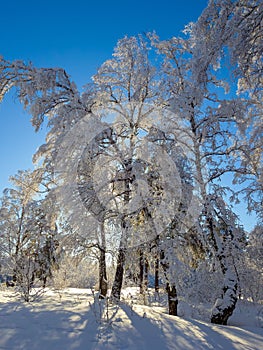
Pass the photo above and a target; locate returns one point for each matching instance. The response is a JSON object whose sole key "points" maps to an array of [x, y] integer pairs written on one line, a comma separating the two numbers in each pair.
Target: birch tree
{"points": [[209, 129], [127, 91], [230, 33]]}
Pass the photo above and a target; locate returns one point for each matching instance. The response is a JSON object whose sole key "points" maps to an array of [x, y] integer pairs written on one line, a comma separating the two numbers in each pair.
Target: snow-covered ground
{"points": [[71, 320]]}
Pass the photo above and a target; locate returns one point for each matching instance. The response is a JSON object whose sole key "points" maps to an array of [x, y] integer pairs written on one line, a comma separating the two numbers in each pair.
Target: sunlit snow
{"points": [[69, 319]]}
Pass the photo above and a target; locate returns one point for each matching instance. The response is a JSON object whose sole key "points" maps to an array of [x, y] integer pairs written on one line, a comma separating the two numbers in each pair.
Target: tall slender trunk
{"points": [[141, 271], [146, 274], [117, 284], [156, 275], [118, 279], [156, 266], [103, 283], [18, 245]]}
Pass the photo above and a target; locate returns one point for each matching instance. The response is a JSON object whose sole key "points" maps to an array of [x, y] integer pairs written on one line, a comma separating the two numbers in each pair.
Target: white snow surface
{"points": [[69, 320]]}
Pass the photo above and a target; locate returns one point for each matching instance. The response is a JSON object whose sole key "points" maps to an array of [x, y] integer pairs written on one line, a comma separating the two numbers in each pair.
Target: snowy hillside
{"points": [[70, 320]]}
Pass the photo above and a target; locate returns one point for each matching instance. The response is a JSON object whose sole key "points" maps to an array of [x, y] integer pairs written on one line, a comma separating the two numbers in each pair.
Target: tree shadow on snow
{"points": [[28, 327], [54, 327], [161, 331]]}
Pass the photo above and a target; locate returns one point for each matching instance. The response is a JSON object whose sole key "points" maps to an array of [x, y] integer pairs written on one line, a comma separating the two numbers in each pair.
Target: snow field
{"points": [[75, 319]]}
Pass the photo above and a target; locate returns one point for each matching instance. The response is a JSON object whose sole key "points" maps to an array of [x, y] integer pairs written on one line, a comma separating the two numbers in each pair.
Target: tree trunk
{"points": [[103, 284], [118, 279], [156, 276], [146, 274], [141, 273], [172, 299], [117, 284], [44, 282], [225, 306], [171, 291]]}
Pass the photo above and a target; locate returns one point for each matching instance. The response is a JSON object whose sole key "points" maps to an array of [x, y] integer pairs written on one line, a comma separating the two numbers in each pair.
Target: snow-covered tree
{"points": [[228, 33], [126, 87], [124, 149], [28, 232], [208, 124]]}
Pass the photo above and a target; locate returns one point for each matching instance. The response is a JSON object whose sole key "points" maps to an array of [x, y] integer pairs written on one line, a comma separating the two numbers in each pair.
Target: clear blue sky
{"points": [[78, 36]]}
